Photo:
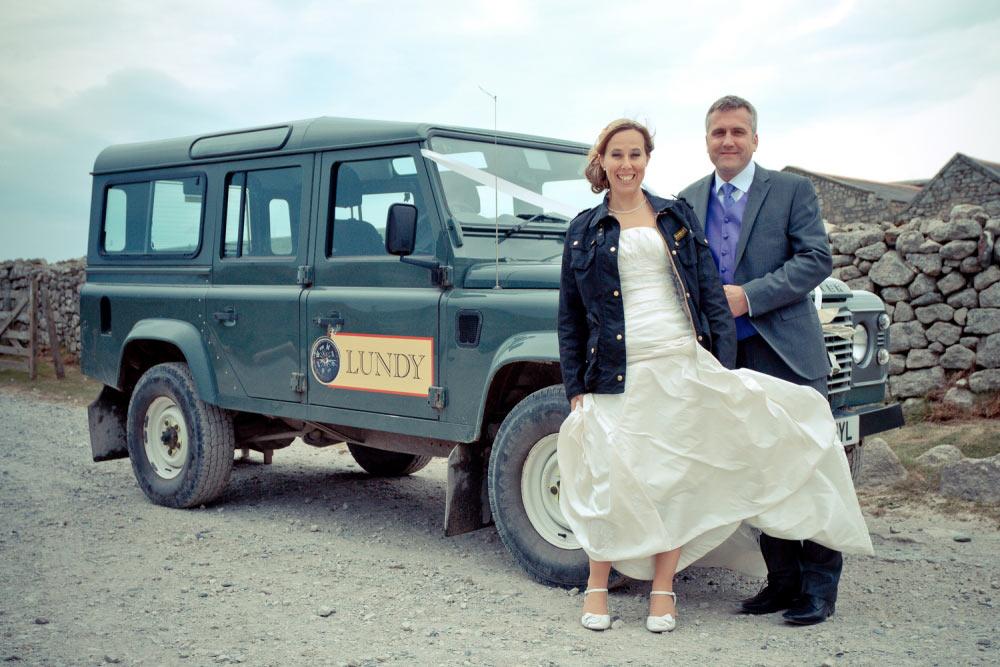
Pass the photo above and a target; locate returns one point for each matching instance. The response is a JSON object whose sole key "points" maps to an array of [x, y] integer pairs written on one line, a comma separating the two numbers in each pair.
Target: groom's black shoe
{"points": [[809, 610], [768, 601]]}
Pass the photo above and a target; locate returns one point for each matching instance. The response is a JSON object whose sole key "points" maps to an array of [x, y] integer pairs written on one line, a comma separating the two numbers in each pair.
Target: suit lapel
{"points": [[758, 191], [702, 191]]}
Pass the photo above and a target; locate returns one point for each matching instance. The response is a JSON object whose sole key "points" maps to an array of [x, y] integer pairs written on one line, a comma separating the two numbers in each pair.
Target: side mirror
{"points": [[401, 229]]}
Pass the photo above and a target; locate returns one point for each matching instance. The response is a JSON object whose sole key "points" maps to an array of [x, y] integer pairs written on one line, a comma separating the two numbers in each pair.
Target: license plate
{"points": [[847, 429]]}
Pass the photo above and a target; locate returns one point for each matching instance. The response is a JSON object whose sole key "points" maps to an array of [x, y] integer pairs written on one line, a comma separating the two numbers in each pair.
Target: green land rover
{"points": [[392, 286]]}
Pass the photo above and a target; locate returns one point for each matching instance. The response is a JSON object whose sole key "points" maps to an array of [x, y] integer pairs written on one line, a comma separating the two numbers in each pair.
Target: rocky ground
{"points": [[311, 561]]}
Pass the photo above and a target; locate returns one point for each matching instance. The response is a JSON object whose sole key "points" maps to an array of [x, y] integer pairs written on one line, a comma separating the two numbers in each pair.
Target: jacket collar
{"points": [[659, 205]]}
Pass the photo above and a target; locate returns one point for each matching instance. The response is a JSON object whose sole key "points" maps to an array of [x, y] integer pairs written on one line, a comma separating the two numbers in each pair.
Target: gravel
{"points": [[311, 561]]}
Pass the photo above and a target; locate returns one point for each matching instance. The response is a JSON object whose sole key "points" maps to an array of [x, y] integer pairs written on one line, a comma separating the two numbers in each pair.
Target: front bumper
{"points": [[855, 425]]}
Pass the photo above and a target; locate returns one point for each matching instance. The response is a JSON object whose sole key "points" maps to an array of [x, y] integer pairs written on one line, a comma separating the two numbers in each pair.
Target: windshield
{"points": [[514, 186]]}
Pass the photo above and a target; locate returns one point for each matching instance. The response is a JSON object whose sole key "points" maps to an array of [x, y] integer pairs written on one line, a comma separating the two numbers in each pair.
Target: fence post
{"points": [[33, 329], [53, 338]]}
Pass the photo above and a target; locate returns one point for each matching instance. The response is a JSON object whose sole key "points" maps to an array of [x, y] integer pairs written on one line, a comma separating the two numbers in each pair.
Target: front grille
{"points": [[839, 349]]}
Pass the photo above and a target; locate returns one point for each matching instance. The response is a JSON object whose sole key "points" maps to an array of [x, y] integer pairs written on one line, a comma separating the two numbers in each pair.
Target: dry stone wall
{"points": [[962, 179], [842, 203], [62, 283], [940, 280]]}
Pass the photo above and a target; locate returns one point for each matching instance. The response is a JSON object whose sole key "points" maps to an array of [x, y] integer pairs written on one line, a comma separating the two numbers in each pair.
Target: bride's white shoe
{"points": [[596, 621], [664, 623]]}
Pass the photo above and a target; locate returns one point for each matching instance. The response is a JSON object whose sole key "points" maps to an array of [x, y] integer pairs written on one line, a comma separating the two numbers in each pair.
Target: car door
{"points": [[371, 321], [253, 304]]}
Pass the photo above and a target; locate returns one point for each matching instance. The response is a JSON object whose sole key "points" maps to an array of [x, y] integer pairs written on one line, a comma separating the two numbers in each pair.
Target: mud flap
{"points": [[106, 416], [467, 507]]}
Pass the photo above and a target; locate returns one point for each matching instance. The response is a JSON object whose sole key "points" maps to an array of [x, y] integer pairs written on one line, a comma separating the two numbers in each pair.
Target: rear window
{"points": [[157, 217]]}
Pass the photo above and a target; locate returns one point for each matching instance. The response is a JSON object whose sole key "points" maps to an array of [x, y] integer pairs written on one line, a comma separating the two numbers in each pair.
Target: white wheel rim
{"points": [[540, 494], [165, 437]]}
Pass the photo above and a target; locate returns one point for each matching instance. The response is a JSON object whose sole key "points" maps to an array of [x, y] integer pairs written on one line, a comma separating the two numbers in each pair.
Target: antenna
{"points": [[496, 190]]}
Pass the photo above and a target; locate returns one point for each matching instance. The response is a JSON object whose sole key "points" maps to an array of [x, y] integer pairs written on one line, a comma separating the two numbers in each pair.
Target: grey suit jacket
{"points": [[782, 255]]}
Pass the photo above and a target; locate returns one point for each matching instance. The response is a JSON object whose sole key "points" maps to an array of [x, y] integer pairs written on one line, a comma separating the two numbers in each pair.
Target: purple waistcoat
{"points": [[723, 231]]}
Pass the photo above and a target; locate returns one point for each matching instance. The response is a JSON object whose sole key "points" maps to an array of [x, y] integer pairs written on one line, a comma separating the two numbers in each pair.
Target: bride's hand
{"points": [[576, 402]]}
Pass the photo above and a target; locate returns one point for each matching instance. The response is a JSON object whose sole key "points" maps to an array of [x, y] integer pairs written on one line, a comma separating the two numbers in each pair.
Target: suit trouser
{"points": [[799, 567]]}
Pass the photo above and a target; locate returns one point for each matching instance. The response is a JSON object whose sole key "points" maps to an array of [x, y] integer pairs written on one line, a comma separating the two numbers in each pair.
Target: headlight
{"points": [[883, 322], [859, 347]]}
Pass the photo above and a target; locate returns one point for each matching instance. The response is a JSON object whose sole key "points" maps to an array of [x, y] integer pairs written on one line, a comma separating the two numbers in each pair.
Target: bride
{"points": [[667, 456]]}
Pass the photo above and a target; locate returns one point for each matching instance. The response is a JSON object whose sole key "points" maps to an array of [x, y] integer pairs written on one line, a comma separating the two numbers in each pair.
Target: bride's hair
{"points": [[593, 171]]}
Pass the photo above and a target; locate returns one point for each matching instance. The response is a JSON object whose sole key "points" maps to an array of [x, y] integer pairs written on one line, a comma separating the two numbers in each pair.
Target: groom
{"points": [[768, 240]]}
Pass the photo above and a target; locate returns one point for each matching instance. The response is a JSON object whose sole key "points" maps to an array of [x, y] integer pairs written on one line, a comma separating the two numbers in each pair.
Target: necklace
{"points": [[631, 210]]}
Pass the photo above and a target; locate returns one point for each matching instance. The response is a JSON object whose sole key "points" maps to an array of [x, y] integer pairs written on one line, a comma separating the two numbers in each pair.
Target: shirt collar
{"points": [[741, 181]]}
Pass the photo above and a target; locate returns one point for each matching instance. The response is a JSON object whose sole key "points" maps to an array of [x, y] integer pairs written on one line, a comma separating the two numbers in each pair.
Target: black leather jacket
{"points": [[591, 314]]}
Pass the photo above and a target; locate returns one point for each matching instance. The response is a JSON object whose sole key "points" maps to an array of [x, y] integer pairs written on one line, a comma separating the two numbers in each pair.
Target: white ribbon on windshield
{"points": [[506, 187]]}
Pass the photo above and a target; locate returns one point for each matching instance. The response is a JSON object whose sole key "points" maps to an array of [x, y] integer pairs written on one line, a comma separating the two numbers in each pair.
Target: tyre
{"points": [[381, 463], [524, 491], [181, 448], [855, 454]]}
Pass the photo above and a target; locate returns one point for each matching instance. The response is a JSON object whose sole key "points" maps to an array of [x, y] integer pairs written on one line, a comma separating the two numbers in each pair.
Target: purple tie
{"points": [[727, 196]]}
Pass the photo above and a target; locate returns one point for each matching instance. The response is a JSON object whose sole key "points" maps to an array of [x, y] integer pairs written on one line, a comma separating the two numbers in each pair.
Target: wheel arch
{"points": [[156, 341]]}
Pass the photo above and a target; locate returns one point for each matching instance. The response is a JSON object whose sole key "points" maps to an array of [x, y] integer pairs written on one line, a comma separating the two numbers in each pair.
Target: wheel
{"points": [[381, 463], [854, 459], [524, 491], [181, 447]]}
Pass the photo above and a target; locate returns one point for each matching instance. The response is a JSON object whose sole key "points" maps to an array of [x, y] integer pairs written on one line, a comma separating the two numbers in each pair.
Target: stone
{"points": [[863, 283], [970, 265], [842, 260], [957, 357], [990, 297], [874, 251], [916, 383], [912, 405], [891, 270], [882, 467], [944, 332], [961, 228], [986, 278], [987, 243], [985, 380], [951, 283], [935, 457], [967, 298], [961, 315], [930, 247], [894, 294], [864, 266], [929, 264], [846, 273], [970, 342], [988, 353], [939, 312], [848, 242], [909, 241], [897, 364], [971, 479], [903, 312], [937, 348], [921, 285], [920, 359], [927, 299], [966, 211], [962, 398], [905, 336], [958, 249], [889, 310], [993, 223], [983, 320]]}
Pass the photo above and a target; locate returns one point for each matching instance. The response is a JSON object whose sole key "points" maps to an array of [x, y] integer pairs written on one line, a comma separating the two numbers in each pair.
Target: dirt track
{"points": [[311, 561]]}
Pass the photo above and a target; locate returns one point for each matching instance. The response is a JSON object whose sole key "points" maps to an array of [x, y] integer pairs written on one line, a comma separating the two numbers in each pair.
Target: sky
{"points": [[885, 91]]}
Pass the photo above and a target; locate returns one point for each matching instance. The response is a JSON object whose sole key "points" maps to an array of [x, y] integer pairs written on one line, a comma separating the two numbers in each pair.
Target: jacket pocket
{"points": [[797, 309], [581, 257], [686, 250], [590, 375]]}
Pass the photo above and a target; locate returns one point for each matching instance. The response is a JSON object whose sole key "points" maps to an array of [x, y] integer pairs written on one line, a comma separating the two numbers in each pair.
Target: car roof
{"points": [[324, 133]]}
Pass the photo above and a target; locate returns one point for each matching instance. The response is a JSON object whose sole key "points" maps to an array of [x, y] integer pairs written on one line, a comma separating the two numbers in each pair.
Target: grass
{"points": [[74, 388]]}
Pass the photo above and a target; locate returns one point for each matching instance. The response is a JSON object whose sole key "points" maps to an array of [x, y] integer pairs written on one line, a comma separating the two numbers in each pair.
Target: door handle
{"points": [[228, 316], [334, 322]]}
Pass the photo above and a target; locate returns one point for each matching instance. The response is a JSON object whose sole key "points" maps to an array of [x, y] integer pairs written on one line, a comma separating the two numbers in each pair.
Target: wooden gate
{"points": [[23, 345]]}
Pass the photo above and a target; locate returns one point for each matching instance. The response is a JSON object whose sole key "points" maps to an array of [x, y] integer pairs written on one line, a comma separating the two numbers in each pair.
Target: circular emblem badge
{"points": [[324, 359]]}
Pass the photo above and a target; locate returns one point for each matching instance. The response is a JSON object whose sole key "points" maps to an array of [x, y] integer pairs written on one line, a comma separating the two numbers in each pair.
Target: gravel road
{"points": [[309, 561]]}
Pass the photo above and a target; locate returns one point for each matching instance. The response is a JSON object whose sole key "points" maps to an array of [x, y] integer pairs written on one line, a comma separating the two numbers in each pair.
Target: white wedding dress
{"points": [[694, 455]]}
